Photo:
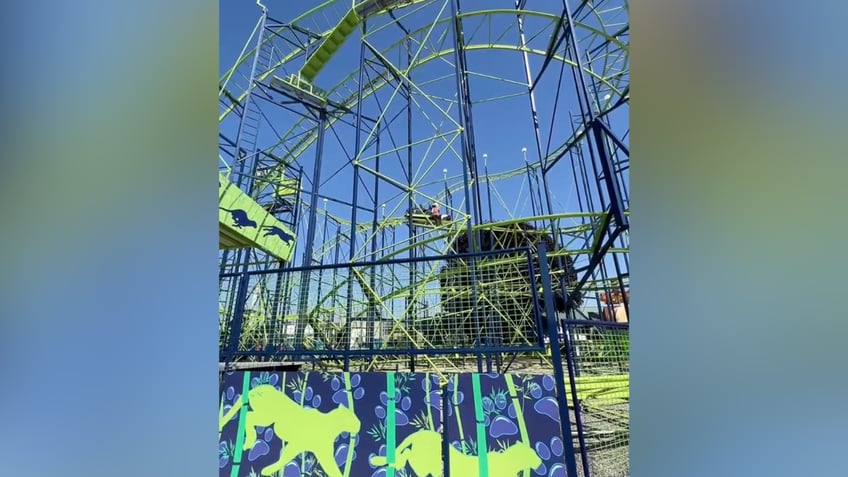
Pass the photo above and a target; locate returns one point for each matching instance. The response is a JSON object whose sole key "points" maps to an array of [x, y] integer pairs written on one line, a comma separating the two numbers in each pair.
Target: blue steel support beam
{"points": [[610, 178], [276, 303], [372, 315], [413, 275], [242, 256], [599, 250], [603, 123], [519, 5], [488, 186], [336, 251], [367, 353], [552, 47], [613, 137], [469, 146], [557, 155], [321, 260], [303, 297], [395, 261], [348, 326], [530, 185], [238, 319], [469, 166], [559, 375], [447, 399]]}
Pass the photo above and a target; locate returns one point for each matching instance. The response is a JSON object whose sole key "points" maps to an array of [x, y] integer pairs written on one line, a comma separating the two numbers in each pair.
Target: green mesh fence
{"points": [[601, 353]]}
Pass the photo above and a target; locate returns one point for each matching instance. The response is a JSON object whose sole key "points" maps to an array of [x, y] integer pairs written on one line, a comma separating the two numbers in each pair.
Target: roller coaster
{"points": [[343, 123]]}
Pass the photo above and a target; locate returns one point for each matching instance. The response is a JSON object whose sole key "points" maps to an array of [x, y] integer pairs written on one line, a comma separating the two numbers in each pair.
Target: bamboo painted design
{"points": [[519, 415], [351, 439]]}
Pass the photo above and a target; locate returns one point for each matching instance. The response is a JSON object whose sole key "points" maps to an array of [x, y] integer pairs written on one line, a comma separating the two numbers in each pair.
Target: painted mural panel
{"points": [[244, 223], [515, 418], [333, 424], [416, 408]]}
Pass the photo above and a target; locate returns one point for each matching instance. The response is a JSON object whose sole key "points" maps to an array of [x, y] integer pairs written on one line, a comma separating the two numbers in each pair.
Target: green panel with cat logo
{"points": [[244, 223]]}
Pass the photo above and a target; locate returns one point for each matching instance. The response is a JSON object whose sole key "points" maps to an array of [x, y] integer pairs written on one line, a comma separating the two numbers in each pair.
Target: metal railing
{"points": [[600, 356], [464, 304], [473, 303]]}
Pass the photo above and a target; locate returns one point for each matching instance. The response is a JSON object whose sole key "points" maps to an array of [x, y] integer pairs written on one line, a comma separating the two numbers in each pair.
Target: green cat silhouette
{"points": [[422, 450], [301, 430]]}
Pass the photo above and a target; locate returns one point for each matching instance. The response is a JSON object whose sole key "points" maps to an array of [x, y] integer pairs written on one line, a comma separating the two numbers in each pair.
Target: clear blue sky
{"points": [[502, 127]]}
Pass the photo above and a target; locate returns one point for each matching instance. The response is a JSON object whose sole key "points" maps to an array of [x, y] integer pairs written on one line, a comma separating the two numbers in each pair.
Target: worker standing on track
{"points": [[437, 214]]}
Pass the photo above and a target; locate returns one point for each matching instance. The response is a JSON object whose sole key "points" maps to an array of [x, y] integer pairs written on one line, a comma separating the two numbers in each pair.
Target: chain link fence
{"points": [[600, 353]]}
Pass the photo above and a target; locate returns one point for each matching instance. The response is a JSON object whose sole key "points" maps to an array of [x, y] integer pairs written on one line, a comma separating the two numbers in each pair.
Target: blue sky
{"points": [[502, 128]]}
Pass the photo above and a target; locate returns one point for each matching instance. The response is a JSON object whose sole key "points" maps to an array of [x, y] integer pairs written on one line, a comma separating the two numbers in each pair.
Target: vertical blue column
{"points": [[610, 178], [308, 245], [348, 326], [238, 318], [468, 169], [413, 265], [559, 375], [373, 312]]}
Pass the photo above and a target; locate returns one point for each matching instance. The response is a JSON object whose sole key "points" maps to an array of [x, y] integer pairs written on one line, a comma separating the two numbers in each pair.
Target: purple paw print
{"points": [[340, 395]]}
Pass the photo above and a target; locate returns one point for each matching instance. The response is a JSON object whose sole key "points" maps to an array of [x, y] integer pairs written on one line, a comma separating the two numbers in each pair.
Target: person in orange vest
{"points": [[437, 214]]}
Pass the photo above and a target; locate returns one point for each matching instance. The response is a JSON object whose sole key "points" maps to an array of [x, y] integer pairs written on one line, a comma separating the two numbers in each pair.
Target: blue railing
{"points": [[472, 303]]}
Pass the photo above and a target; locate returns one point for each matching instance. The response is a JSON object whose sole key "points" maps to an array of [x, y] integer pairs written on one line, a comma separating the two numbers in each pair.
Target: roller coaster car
{"points": [[423, 217]]}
